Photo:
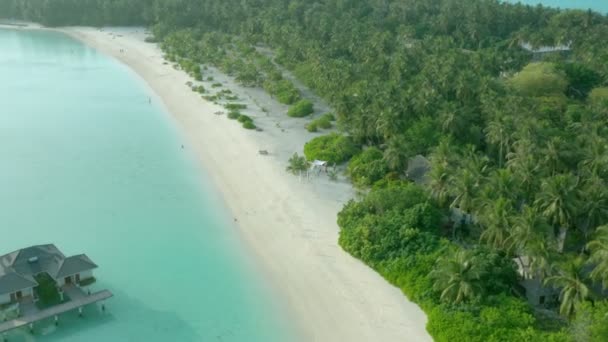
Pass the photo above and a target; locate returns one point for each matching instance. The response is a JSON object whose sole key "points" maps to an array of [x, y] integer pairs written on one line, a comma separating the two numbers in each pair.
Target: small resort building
{"points": [[40, 282], [19, 269]]}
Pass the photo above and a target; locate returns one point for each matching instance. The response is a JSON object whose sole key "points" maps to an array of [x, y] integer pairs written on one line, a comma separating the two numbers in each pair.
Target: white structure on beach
{"points": [[541, 51]]}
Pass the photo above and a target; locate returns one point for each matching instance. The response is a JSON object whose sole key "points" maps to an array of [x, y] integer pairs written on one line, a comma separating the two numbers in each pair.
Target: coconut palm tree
{"points": [[558, 202], [594, 209], [499, 133], [457, 277], [445, 153], [553, 155], [395, 154], [521, 161], [595, 154], [438, 183], [501, 183], [496, 220], [573, 284], [464, 185], [541, 253], [532, 237], [599, 256], [297, 164]]}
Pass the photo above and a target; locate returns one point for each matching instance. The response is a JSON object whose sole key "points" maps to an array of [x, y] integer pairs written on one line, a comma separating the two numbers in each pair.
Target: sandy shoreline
{"points": [[289, 225]]}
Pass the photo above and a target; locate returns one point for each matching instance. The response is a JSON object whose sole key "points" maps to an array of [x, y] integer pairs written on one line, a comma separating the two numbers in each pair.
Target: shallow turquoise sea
{"points": [[87, 163], [596, 5]]}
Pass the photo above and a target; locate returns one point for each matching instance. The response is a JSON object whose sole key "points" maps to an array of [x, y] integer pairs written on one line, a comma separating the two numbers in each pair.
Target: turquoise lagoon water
{"points": [[87, 163], [596, 5]]}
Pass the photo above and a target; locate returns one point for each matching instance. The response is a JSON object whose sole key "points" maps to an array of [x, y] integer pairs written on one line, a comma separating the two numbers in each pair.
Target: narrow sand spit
{"points": [[289, 225]]}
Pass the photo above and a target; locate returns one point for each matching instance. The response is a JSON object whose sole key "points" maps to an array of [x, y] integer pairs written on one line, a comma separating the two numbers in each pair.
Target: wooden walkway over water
{"points": [[55, 311]]}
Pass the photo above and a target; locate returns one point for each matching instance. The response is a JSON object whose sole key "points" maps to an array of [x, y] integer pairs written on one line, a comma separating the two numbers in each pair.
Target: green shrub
{"points": [[598, 98], [324, 122], [235, 106], [333, 148], [367, 167], [210, 79], [301, 109], [320, 122], [312, 127], [248, 75], [249, 125], [329, 116], [244, 118], [283, 89], [199, 89], [539, 79], [216, 85], [234, 115]]}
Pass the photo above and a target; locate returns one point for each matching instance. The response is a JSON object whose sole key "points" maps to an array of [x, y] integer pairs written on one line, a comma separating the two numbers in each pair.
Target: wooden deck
{"points": [[73, 304]]}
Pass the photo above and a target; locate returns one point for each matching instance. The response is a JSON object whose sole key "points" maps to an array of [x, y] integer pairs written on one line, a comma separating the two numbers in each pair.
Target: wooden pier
{"points": [[55, 311]]}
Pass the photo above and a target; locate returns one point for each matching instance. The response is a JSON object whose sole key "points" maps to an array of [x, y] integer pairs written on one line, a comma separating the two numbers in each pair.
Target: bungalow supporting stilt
{"points": [[103, 307], [56, 320], [80, 311], [32, 328]]}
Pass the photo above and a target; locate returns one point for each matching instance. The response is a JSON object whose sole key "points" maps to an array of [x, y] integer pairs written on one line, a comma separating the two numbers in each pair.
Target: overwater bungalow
{"points": [[30, 273]]}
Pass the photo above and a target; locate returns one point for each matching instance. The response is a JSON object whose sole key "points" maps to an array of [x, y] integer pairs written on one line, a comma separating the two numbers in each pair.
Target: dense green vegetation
{"points": [[333, 148], [517, 142], [367, 167]]}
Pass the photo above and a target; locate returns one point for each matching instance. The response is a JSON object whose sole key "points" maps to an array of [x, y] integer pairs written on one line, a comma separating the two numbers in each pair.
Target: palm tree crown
{"points": [[457, 277]]}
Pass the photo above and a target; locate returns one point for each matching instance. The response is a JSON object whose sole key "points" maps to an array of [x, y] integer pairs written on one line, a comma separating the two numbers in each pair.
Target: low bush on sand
{"points": [[333, 148], [301, 109]]}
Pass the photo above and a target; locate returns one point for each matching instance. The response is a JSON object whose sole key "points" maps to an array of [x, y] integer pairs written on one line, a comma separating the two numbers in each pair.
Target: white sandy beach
{"points": [[290, 226]]}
